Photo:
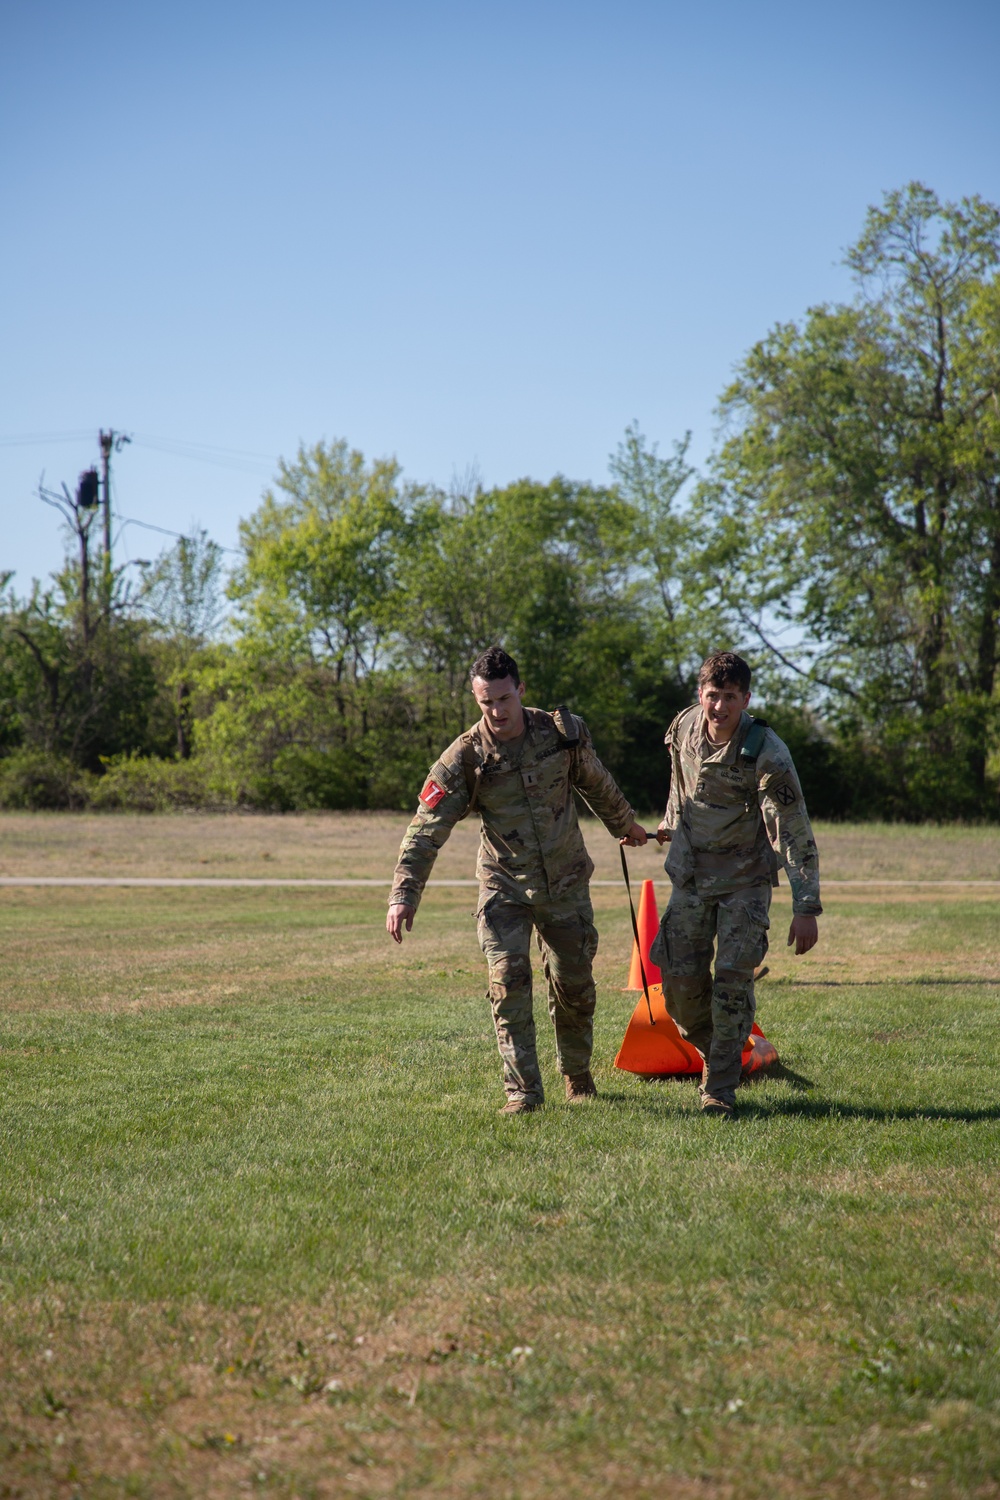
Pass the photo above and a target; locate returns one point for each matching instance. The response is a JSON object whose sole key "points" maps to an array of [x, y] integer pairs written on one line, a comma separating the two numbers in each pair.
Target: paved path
{"points": [[226, 881]]}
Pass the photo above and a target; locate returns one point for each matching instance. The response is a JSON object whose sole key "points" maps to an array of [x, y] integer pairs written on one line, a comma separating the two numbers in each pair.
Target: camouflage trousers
{"points": [[567, 939], [714, 1017]]}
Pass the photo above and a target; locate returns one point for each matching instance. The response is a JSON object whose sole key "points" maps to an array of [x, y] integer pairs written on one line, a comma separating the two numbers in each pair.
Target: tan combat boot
{"points": [[580, 1086], [712, 1105], [520, 1105]]}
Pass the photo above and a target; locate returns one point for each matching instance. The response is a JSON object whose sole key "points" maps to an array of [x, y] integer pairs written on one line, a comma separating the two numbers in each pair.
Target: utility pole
{"points": [[108, 440]]}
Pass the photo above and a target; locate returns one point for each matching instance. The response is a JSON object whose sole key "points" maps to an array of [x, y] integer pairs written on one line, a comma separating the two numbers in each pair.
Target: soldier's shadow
{"points": [[820, 1109], [841, 1109], [880, 984], [803, 1107], [797, 1081]]}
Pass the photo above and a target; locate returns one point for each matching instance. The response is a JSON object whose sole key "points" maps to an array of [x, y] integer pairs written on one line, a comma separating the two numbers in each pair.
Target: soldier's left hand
{"points": [[636, 836], [804, 933]]}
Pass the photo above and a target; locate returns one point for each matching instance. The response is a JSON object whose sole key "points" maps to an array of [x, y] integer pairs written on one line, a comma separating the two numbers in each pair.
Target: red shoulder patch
{"points": [[432, 793]]}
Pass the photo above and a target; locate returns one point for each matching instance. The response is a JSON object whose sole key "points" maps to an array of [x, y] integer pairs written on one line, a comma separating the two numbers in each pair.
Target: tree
{"points": [[319, 574], [182, 590], [182, 599], [855, 500], [303, 701], [80, 684], [663, 533]]}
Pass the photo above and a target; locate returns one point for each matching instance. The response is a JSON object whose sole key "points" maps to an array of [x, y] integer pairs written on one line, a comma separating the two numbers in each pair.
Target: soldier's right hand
{"points": [[394, 921], [636, 836]]}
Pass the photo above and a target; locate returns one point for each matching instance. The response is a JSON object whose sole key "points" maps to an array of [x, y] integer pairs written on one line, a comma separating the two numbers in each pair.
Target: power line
{"points": [[148, 437], [177, 535], [243, 460], [240, 459], [40, 439]]}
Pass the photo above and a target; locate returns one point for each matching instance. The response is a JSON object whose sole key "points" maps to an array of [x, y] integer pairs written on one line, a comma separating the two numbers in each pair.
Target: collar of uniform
{"points": [[505, 749], [722, 755]]}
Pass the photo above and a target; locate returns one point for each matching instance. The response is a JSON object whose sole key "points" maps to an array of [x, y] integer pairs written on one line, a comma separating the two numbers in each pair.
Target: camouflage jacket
{"points": [[733, 821], [530, 843]]}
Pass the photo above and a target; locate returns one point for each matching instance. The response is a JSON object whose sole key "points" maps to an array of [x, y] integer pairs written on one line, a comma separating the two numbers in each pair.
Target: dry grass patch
{"points": [[364, 846], [434, 1399], [885, 936], [106, 950]]}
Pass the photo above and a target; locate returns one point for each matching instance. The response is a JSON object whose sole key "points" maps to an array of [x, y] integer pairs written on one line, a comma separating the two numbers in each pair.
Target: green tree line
{"points": [[845, 537]]}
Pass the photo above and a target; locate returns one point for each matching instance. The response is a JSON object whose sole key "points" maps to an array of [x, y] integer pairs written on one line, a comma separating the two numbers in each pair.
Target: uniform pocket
{"points": [[743, 930], [588, 939], [574, 937], [485, 926], [659, 948]]}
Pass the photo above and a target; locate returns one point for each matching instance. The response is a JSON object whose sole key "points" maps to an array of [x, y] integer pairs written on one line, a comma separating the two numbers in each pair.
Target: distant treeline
{"points": [[845, 538]]}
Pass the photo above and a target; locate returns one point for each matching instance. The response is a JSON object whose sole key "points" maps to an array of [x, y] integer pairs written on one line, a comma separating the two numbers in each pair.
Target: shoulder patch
{"points": [[432, 794], [783, 792]]}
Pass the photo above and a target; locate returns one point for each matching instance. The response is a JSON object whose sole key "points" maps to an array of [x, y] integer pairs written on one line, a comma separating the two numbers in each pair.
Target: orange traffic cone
{"points": [[648, 922]]}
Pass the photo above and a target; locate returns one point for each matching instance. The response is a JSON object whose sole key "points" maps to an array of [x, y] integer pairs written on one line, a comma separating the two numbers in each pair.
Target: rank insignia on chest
{"points": [[529, 778], [433, 793]]}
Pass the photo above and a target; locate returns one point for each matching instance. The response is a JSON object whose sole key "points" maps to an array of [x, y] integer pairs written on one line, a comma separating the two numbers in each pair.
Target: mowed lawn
{"points": [[263, 1231]]}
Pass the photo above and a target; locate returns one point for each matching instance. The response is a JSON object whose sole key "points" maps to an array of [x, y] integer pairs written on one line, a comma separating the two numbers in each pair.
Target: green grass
{"points": [[249, 1151]]}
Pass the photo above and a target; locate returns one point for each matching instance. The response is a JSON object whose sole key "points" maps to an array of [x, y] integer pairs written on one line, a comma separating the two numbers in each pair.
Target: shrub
{"points": [[135, 783], [39, 780], [302, 778]]}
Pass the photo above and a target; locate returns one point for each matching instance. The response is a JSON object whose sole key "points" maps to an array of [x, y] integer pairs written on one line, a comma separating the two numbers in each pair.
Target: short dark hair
{"points": [[494, 664], [725, 669]]}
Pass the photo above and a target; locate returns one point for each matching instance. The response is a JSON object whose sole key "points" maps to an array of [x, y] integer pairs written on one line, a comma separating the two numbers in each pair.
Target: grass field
{"points": [[263, 1231], [310, 845]]}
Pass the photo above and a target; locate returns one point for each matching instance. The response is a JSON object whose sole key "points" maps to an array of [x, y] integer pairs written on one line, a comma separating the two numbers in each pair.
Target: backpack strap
{"points": [[752, 746], [473, 772], [668, 738], [754, 742], [567, 727]]}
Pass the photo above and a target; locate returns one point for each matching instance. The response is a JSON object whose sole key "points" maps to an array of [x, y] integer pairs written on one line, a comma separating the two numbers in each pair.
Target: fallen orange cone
{"points": [[655, 1049], [648, 923], [659, 1050], [758, 1052]]}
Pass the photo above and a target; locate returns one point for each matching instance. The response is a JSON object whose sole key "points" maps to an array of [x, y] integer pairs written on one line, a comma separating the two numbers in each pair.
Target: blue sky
{"points": [[467, 234]]}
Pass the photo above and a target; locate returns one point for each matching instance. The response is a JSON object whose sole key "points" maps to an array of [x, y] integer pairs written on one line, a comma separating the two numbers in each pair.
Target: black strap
{"points": [[635, 930], [567, 728]]}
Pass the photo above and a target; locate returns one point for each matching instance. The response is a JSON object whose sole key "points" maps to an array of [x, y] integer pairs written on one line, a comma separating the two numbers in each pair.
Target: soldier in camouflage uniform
{"points": [[735, 812], [518, 768]]}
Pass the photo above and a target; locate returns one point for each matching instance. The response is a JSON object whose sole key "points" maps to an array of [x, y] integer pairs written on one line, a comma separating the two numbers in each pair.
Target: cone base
{"points": [[660, 1051]]}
